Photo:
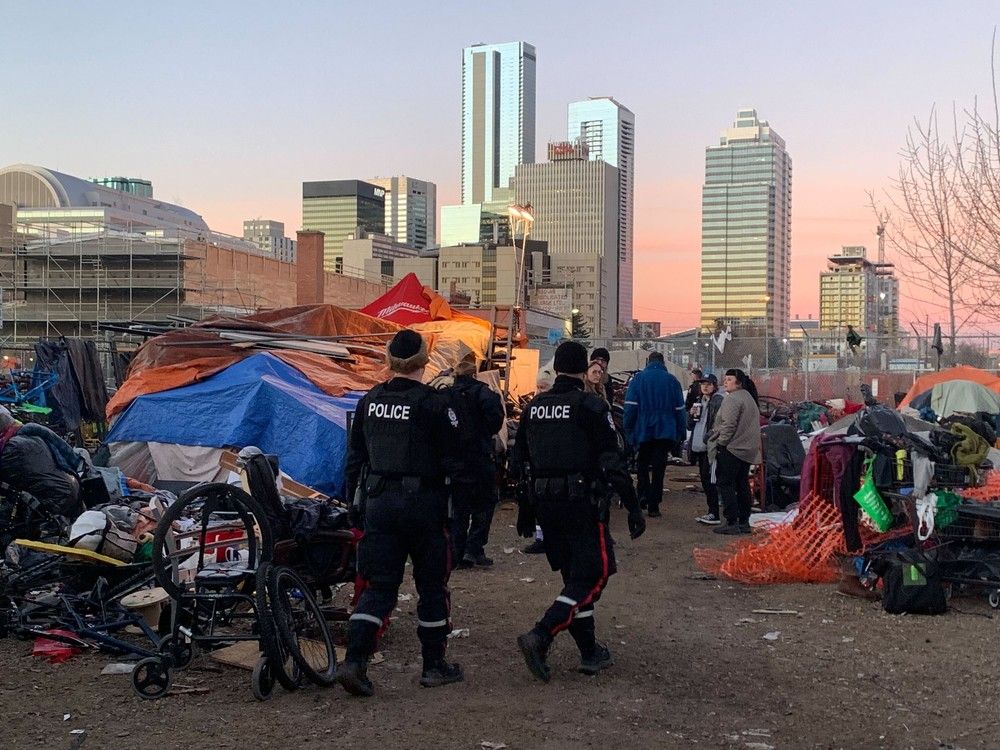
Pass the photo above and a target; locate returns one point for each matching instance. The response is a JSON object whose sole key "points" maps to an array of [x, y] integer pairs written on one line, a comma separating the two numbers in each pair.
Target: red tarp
{"points": [[404, 304]]}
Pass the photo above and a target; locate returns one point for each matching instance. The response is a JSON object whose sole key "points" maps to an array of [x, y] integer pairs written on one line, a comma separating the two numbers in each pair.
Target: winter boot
{"points": [[353, 677], [534, 648], [600, 659], [439, 673]]}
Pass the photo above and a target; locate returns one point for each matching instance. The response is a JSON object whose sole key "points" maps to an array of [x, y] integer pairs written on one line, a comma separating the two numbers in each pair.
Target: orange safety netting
{"points": [[987, 492], [798, 552]]}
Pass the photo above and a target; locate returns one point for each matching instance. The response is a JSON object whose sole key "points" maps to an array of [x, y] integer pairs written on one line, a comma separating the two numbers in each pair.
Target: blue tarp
{"points": [[258, 401]]}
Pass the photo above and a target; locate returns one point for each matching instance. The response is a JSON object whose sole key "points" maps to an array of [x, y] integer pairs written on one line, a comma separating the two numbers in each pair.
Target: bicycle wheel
{"points": [[301, 626], [280, 661], [223, 516]]}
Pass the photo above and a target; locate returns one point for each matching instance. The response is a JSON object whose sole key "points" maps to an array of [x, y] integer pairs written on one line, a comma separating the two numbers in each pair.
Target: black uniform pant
{"points": [[711, 489], [400, 524], [651, 465], [580, 547], [472, 508], [732, 475]]}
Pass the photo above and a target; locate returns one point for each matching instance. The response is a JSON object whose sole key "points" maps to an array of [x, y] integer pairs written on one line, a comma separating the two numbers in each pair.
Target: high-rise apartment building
{"points": [[337, 208], [576, 211], [854, 291], [498, 116], [746, 230], [608, 130], [270, 237], [410, 210]]}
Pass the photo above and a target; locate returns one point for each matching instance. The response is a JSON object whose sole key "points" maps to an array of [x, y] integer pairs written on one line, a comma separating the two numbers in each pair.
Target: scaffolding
{"points": [[71, 278]]}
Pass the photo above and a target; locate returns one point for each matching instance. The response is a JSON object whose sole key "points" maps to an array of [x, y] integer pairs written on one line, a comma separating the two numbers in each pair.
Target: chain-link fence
{"points": [[819, 364]]}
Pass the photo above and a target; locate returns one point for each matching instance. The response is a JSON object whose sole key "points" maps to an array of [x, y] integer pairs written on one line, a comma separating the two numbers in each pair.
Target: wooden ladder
{"points": [[503, 326]]}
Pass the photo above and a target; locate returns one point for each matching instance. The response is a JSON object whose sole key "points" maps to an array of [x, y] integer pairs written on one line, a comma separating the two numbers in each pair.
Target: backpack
{"points": [[911, 584]]}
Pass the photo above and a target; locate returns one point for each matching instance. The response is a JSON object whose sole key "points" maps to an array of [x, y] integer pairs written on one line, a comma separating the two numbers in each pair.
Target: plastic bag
{"points": [[871, 501]]}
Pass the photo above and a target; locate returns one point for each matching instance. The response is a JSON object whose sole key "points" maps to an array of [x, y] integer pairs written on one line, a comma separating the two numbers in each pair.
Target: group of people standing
{"points": [[725, 443]]}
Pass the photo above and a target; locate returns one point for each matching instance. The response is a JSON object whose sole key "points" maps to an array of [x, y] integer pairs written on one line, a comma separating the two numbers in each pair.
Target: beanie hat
{"points": [[571, 358], [406, 352], [600, 353]]}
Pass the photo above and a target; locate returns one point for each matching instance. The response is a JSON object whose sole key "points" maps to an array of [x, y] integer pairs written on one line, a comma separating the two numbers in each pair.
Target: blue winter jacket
{"points": [[654, 406]]}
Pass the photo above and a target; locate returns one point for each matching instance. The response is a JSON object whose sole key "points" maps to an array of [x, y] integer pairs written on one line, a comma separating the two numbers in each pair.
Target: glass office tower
{"points": [[746, 230], [608, 130], [498, 116], [337, 208]]}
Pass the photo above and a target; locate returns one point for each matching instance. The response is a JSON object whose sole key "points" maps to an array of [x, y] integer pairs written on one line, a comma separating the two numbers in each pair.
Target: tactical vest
{"points": [[558, 443], [397, 433]]}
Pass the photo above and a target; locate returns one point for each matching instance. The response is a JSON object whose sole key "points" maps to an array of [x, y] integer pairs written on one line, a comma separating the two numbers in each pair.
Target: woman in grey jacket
{"points": [[734, 444], [703, 412]]}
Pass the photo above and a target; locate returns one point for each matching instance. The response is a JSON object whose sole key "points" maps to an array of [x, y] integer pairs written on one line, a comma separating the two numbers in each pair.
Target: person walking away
{"points": [[734, 446], [568, 452], [403, 444], [702, 419], [537, 545], [474, 487], [655, 421]]}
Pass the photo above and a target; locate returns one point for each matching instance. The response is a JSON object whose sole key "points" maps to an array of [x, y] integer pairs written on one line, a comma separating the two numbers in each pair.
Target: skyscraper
{"points": [[576, 212], [337, 208], [498, 116], [410, 210], [608, 129], [746, 230]]}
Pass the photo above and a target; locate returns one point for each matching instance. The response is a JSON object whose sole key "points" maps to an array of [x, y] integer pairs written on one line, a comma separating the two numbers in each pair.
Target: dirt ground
{"points": [[692, 669]]}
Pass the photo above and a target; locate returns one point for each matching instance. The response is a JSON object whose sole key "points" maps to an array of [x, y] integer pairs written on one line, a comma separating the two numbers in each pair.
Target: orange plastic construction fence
{"points": [[989, 491], [798, 552]]}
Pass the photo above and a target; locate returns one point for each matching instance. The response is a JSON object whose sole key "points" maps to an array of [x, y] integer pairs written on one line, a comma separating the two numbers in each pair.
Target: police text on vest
{"points": [[560, 411], [389, 411]]}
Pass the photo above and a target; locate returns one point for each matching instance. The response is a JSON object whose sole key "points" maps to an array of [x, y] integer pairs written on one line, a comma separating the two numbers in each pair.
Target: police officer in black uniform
{"points": [[567, 452], [403, 443]]}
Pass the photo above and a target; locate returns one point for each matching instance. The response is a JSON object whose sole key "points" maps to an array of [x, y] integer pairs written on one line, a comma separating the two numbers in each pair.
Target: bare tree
{"points": [[978, 168], [930, 233]]}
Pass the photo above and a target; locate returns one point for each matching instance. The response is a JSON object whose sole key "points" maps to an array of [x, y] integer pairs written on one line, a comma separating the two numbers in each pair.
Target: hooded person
{"points": [[567, 452], [474, 494], [402, 448]]}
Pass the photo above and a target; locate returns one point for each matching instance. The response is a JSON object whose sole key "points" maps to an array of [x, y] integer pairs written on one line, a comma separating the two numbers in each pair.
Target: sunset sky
{"points": [[228, 106]]}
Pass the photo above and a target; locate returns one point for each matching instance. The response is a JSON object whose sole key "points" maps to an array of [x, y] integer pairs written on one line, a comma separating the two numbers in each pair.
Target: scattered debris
{"points": [[528, 580], [747, 621], [508, 551], [847, 639], [118, 668], [492, 745], [459, 633], [67, 717], [776, 612], [701, 577], [405, 597], [772, 636]]}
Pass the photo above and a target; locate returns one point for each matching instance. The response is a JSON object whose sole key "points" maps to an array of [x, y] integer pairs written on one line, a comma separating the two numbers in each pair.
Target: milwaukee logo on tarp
{"points": [[396, 307]]}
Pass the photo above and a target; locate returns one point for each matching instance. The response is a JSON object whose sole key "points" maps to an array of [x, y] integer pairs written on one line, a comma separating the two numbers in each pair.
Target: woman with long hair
{"points": [[595, 381], [734, 446]]}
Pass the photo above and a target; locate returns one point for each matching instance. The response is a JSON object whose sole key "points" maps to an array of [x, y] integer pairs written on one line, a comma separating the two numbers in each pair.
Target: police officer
{"points": [[403, 443], [567, 444]]}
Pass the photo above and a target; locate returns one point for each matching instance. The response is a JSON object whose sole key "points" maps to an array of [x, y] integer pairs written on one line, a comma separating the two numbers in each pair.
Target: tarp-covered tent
{"points": [[959, 389], [261, 401], [191, 354]]}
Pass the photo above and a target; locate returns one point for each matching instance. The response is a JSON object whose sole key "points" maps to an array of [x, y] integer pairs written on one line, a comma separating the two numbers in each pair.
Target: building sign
{"points": [[557, 300]]}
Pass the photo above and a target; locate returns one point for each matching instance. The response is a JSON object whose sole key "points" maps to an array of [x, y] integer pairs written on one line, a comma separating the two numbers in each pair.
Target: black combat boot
{"points": [[593, 663], [440, 672], [353, 677], [535, 647]]}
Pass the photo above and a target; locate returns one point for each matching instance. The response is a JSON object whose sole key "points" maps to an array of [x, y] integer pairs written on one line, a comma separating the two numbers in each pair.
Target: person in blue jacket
{"points": [[655, 421]]}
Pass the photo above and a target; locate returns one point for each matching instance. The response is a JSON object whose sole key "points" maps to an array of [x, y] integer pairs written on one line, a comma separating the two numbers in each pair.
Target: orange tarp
{"points": [[972, 374], [188, 355]]}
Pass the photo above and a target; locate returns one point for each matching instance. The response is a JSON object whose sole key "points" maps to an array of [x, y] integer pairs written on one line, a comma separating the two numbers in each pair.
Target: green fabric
{"points": [[871, 501], [973, 448], [946, 509]]}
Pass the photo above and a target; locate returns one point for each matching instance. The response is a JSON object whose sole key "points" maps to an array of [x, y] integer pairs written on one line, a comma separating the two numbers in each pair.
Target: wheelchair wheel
{"points": [[301, 627], [282, 665], [151, 678], [179, 651], [994, 599], [262, 680], [216, 513]]}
